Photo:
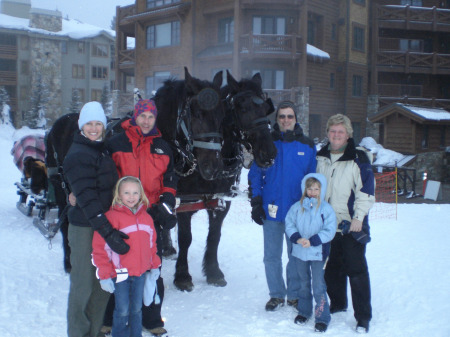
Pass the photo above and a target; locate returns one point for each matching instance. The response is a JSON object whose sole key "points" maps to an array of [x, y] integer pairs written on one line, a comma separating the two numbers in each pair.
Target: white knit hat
{"points": [[92, 111]]}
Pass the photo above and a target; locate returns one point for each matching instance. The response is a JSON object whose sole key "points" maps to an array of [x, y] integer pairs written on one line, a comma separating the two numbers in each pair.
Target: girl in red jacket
{"points": [[126, 275]]}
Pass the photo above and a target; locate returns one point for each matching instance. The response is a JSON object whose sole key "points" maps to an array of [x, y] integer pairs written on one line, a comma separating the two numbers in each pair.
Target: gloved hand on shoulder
{"points": [[162, 213], [114, 238], [107, 285], [258, 214], [150, 287]]}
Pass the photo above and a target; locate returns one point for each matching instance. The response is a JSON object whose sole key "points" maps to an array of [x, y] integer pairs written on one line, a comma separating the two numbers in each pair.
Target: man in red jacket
{"points": [[141, 152]]}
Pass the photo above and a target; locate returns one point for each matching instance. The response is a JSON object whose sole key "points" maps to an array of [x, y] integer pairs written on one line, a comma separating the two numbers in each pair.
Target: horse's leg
{"points": [[211, 268], [183, 280], [66, 248], [167, 245]]}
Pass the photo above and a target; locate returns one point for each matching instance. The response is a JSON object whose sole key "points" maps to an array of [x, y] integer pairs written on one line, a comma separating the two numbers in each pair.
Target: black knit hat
{"points": [[284, 105]]}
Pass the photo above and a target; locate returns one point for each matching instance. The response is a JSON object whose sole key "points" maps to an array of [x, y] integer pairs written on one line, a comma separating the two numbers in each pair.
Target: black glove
{"points": [[162, 216], [114, 238], [258, 214]]}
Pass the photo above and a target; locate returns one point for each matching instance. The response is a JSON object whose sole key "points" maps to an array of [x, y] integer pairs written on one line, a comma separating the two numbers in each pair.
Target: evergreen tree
{"points": [[113, 23], [35, 117], [4, 107], [105, 100], [75, 104]]}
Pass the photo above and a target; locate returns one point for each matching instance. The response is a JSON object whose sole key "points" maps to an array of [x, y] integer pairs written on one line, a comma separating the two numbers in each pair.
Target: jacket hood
{"points": [[323, 181]]}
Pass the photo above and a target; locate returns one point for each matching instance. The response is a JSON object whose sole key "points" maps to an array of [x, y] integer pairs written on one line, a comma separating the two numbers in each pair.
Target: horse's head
{"points": [[250, 107], [204, 112]]}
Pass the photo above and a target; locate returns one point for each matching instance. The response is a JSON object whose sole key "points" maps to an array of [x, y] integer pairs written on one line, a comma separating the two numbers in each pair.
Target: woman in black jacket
{"points": [[91, 174]]}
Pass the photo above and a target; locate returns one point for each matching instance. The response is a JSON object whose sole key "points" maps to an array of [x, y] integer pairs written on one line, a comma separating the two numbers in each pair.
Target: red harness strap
{"points": [[198, 205]]}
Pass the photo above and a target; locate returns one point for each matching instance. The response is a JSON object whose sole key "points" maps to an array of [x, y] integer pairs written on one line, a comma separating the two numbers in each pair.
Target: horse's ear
{"points": [[271, 107], [232, 82], [218, 78], [189, 83], [257, 79]]}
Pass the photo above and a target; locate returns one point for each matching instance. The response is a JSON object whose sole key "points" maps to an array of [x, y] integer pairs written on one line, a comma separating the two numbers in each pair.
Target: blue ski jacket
{"points": [[280, 184]]}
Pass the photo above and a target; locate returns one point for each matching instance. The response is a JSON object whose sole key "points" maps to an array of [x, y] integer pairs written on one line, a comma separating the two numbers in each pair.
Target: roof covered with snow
{"points": [[71, 28], [419, 114]]}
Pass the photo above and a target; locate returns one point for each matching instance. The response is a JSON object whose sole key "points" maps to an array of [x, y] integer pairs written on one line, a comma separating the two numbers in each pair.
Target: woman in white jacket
{"points": [[310, 226]]}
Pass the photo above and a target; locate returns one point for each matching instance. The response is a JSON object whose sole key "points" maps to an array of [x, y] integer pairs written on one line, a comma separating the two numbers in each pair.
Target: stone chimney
{"points": [[45, 19], [16, 8]]}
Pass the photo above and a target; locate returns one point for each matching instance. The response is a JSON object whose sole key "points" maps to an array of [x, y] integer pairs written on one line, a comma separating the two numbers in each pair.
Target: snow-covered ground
{"points": [[409, 262]]}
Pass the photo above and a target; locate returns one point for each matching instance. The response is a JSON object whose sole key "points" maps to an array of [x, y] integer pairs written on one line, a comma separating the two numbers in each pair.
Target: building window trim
{"points": [[158, 36], [358, 37], [78, 71], [99, 73], [99, 50]]}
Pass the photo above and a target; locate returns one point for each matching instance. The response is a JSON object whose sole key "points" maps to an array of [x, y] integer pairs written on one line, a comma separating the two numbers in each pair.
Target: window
{"points": [[357, 86], [9, 40], [152, 83], [272, 79], [358, 38], [99, 72], [269, 25], [425, 137], [100, 50], [157, 3], [64, 47], [360, 2], [78, 71], [96, 95], [226, 30], [80, 47], [163, 35], [411, 45], [24, 68], [311, 37], [332, 80], [113, 56]]}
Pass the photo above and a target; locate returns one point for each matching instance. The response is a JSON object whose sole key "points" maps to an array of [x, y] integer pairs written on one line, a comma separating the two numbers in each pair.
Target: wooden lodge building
{"points": [[410, 64], [312, 52], [337, 56]]}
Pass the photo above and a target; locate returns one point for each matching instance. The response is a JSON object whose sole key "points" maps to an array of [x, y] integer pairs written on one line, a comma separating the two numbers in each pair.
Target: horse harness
{"points": [[199, 140]]}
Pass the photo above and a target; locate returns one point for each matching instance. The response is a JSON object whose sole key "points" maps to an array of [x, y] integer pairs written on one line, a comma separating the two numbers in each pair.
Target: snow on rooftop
{"points": [[314, 51], [429, 113], [70, 27]]}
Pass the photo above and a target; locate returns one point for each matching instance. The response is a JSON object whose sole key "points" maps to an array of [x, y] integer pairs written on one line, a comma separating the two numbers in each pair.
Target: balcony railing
{"points": [[271, 44], [400, 90], [411, 61], [8, 52], [422, 102], [8, 78], [127, 57], [409, 15]]}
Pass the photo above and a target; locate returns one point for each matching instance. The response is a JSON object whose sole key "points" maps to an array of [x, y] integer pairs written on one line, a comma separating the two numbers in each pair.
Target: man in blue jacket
{"points": [[273, 191]]}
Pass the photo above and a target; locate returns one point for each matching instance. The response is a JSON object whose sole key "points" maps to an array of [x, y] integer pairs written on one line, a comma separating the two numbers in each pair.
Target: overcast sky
{"points": [[94, 12]]}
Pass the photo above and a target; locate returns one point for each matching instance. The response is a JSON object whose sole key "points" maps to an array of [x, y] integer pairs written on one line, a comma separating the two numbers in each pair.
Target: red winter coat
{"points": [[147, 158], [142, 254]]}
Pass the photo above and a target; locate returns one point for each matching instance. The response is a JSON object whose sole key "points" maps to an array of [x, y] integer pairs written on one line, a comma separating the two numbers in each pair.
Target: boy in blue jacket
{"points": [[311, 225]]}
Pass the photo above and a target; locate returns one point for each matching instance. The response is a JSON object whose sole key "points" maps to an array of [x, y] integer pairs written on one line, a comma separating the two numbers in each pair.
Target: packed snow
{"points": [[408, 258]]}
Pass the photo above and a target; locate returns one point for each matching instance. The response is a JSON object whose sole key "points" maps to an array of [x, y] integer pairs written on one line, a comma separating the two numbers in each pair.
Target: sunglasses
{"points": [[286, 116]]}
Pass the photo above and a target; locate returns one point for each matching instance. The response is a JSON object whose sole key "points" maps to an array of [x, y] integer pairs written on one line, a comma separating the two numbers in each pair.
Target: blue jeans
{"points": [[128, 295], [273, 249], [305, 270]]}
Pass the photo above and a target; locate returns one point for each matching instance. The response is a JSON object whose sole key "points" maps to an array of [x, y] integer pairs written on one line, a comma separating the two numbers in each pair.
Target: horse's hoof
{"points": [[184, 285], [217, 282]]}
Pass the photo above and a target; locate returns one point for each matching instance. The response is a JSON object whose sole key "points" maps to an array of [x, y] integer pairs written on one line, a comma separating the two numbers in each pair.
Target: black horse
{"points": [[58, 141], [245, 124]]}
